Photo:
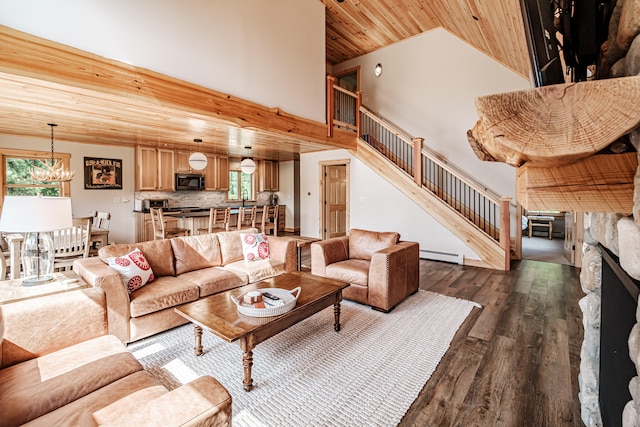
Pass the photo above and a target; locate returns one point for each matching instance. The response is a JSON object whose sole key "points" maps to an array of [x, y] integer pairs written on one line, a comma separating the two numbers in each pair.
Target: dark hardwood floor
{"points": [[514, 362]]}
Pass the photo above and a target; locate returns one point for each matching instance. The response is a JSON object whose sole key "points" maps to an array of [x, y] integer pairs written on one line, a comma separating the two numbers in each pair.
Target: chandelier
{"points": [[54, 172]]}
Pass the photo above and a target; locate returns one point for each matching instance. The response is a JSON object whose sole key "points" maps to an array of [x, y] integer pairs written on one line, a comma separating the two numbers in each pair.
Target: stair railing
{"points": [[476, 202]]}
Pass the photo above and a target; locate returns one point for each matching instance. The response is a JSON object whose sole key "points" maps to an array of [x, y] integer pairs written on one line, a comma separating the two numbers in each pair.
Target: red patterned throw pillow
{"points": [[255, 247], [134, 269]]}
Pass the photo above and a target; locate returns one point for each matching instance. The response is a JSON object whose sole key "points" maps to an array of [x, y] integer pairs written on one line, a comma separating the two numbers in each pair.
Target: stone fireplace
{"points": [[620, 236]]}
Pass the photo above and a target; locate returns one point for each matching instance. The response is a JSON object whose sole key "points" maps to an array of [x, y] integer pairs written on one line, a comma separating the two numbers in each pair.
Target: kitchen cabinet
{"points": [[268, 175], [182, 161], [216, 173], [155, 169]]}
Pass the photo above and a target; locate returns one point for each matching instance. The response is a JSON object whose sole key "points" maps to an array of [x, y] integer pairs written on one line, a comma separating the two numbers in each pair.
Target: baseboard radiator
{"points": [[442, 256]]}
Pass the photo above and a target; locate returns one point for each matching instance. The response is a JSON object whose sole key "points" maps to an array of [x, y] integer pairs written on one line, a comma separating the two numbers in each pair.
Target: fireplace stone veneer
{"points": [[621, 235]]}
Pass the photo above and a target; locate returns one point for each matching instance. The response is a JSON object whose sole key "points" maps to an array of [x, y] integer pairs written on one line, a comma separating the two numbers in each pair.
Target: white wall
{"points": [[83, 201], [374, 205], [428, 87], [286, 191], [269, 52]]}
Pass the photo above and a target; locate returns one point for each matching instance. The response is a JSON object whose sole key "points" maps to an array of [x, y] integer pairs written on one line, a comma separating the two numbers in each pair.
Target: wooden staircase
{"points": [[472, 212]]}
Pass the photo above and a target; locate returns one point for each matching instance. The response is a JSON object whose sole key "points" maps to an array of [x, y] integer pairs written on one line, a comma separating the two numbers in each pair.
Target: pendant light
{"points": [[54, 172], [247, 165], [197, 160]]}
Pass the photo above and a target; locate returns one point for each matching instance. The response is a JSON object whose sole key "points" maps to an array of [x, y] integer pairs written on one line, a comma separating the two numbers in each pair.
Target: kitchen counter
{"points": [[191, 219]]}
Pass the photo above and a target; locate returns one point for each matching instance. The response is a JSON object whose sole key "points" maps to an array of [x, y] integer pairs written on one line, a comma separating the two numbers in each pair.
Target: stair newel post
{"points": [[358, 105], [417, 160], [505, 230], [330, 100]]}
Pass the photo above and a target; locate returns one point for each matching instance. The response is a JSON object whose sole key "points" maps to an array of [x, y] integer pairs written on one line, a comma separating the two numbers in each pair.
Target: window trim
{"points": [[252, 196], [65, 187]]}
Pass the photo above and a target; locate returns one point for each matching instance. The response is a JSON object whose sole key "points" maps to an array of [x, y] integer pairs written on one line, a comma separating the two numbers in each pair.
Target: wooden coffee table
{"points": [[219, 314]]}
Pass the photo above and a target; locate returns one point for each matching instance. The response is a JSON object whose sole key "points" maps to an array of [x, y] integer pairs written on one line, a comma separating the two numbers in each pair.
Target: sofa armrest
{"points": [[327, 252], [98, 274], [393, 274], [283, 249], [42, 325], [202, 402]]}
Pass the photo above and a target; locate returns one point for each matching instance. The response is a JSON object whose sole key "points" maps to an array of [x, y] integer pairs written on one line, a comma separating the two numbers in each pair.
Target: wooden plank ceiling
{"points": [[495, 27], [33, 95]]}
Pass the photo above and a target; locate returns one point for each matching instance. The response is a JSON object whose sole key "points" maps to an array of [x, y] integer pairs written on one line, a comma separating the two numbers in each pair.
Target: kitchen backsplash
{"points": [[203, 199]]}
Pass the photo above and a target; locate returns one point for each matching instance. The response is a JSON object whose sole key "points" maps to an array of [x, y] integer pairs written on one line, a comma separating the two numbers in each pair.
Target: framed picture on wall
{"points": [[102, 174]]}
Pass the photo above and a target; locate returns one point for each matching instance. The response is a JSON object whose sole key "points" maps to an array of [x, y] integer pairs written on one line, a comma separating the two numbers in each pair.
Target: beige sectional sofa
{"points": [[185, 269], [58, 367]]}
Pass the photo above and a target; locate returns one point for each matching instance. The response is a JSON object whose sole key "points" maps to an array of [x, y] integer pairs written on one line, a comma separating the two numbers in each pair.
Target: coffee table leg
{"points": [[336, 313], [247, 345], [197, 332]]}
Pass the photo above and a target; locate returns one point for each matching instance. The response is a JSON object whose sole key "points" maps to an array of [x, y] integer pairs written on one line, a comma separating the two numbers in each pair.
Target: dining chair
{"points": [[160, 229], [218, 219], [71, 243], [269, 219], [100, 220], [247, 218]]}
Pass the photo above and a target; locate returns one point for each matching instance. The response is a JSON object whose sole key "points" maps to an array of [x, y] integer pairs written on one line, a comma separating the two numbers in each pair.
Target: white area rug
{"points": [[368, 374]]}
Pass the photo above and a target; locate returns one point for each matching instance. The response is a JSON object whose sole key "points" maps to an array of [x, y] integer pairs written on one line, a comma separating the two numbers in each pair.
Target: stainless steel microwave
{"points": [[189, 181]]}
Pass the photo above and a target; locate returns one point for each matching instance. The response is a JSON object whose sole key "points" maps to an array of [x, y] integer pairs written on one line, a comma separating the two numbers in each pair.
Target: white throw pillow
{"points": [[134, 269], [255, 246]]}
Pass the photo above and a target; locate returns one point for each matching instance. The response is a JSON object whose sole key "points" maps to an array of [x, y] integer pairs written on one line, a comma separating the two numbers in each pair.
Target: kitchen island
{"points": [[193, 219]]}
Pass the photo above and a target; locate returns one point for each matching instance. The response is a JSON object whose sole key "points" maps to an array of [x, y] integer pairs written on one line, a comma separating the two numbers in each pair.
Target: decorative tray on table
{"points": [[267, 302]]}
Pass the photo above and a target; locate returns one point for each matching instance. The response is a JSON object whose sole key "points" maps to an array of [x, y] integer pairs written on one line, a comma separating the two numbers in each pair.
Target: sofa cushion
{"points": [[257, 270], [164, 292], [255, 246], [231, 245], [215, 279], [134, 269], [159, 254], [105, 404], [363, 243], [38, 386], [350, 271], [196, 252]]}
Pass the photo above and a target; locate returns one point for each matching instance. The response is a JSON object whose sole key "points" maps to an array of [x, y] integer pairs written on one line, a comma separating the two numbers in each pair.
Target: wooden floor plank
{"points": [[522, 348]]}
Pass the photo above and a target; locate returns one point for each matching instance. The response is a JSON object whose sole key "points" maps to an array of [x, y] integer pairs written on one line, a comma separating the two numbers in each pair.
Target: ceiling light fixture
{"points": [[54, 172], [247, 165], [197, 160]]}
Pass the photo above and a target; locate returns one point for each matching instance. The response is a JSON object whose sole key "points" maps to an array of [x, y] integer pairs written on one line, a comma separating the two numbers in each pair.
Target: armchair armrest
{"points": [[393, 274], [99, 275], [283, 249], [202, 402], [327, 252], [42, 325]]}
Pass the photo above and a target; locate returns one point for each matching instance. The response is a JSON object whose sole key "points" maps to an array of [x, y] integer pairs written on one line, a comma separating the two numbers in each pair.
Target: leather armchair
{"points": [[381, 269]]}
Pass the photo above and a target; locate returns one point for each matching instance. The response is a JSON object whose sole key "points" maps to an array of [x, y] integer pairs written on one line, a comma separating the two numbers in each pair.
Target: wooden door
{"points": [[335, 201], [182, 161]]}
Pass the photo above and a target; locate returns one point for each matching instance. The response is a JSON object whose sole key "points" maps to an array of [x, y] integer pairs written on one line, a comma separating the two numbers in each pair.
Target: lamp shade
{"points": [[198, 161], [35, 214], [248, 166]]}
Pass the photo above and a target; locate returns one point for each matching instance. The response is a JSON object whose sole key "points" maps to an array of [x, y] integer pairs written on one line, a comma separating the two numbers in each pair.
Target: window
{"points": [[240, 186], [18, 182]]}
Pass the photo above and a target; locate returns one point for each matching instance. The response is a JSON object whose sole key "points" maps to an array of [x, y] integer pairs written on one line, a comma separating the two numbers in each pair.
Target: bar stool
{"points": [[160, 229]]}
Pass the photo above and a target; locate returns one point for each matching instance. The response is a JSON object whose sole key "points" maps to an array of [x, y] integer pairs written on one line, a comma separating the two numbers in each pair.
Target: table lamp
{"points": [[37, 217]]}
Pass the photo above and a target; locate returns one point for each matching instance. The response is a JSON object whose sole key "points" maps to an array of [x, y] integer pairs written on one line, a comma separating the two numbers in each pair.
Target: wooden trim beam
{"points": [[600, 183], [28, 57]]}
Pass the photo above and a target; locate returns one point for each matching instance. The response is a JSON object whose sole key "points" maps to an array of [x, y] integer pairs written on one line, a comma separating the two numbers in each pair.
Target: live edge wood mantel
{"points": [[553, 135]]}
